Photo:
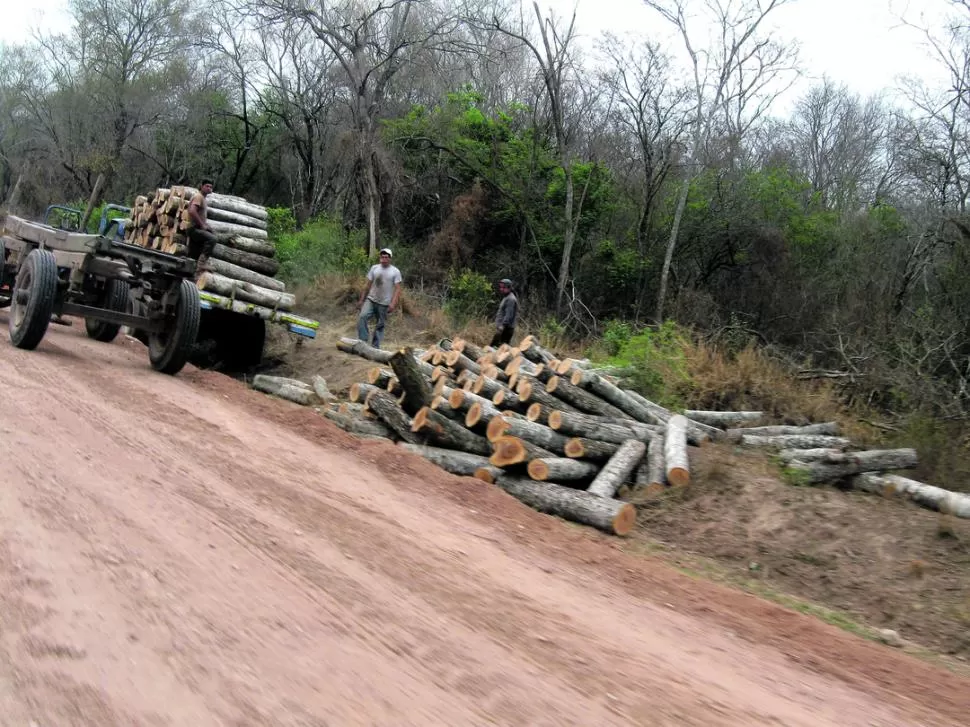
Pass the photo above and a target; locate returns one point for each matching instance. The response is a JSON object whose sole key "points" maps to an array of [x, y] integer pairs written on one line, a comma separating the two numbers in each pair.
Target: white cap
{"points": [[386, 250]]}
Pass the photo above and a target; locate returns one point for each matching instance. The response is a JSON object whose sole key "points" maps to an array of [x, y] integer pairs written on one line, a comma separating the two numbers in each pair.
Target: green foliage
{"points": [[469, 296], [322, 246], [616, 334], [658, 358], [280, 221]]}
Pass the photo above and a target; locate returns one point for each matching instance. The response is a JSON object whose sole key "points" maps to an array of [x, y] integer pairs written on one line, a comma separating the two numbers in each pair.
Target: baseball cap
{"points": [[506, 281], [387, 251]]}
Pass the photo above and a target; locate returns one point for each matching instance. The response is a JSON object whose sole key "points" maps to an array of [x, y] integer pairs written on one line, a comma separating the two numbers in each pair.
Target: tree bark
{"points": [[417, 390], [458, 362], [655, 473], [827, 428], [228, 228], [675, 451], [618, 468], [321, 389], [487, 387], [530, 348], [450, 460], [249, 261], [357, 425], [591, 381], [591, 449], [359, 392], [391, 413], [875, 460], [509, 400], [610, 516], [606, 429], [582, 399], [724, 419], [562, 469], [531, 390], [811, 455], [364, 350], [468, 348], [235, 218], [447, 433], [537, 434], [248, 244], [795, 441], [521, 365], [238, 272], [221, 285], [291, 389], [509, 451], [928, 496]]}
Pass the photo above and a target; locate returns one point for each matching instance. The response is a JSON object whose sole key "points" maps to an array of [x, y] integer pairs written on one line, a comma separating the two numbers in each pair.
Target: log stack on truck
{"points": [[238, 287]]}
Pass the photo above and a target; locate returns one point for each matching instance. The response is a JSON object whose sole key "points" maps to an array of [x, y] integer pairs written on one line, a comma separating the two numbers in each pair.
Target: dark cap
{"points": [[505, 281]]}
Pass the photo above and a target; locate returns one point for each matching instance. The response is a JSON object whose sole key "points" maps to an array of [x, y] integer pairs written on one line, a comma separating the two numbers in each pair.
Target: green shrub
{"points": [[469, 296], [659, 360], [280, 221], [616, 334], [322, 246]]}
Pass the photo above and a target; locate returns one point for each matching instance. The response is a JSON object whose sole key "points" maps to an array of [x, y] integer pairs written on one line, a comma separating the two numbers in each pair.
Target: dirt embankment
{"points": [[184, 551]]}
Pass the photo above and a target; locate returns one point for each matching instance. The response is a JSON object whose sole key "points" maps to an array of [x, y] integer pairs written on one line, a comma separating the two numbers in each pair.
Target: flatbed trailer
{"points": [[45, 272]]}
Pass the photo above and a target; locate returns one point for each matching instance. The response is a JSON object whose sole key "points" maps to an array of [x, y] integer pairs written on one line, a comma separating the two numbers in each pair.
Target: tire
{"points": [[32, 300], [169, 350], [116, 299]]}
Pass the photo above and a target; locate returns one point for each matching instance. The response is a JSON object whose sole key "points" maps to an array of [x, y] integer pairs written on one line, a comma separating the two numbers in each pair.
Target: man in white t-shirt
{"points": [[379, 298]]}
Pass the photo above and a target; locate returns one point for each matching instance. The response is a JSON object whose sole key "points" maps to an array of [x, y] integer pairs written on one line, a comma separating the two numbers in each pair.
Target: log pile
{"points": [[239, 274]]}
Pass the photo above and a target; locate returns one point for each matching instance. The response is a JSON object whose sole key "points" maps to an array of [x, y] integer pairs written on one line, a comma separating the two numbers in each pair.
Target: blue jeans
{"points": [[368, 311]]}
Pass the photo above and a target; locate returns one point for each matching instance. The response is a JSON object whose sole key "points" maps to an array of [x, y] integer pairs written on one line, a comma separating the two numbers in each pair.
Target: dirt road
{"points": [[181, 551]]}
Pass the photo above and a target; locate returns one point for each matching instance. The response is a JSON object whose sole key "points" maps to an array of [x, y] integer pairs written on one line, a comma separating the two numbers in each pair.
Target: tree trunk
{"points": [[582, 399], [321, 389], [530, 348], [562, 469], [724, 419], [610, 516], [811, 455], [93, 201], [671, 245], [247, 260], [828, 428], [447, 433], [359, 392], [223, 215], [509, 400], [391, 413], [531, 390], [290, 389], [229, 229], [656, 466], [591, 449], [240, 290], [537, 434], [238, 272], [379, 376], [606, 429], [481, 413], [248, 244], [458, 362], [488, 388], [450, 460], [521, 365], [364, 350], [357, 425], [417, 390], [928, 496], [675, 451], [509, 451], [488, 473], [568, 237], [795, 441], [875, 460], [618, 468], [616, 396], [440, 404], [468, 348]]}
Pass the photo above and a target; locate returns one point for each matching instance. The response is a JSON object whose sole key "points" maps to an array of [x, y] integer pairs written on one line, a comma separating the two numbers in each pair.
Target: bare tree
{"points": [[735, 80]]}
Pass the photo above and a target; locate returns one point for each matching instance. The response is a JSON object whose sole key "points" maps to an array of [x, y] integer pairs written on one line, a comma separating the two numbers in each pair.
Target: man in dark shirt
{"points": [[201, 237], [508, 311]]}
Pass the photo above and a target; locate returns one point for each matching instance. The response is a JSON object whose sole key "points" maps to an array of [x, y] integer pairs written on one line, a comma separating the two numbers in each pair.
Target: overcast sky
{"points": [[861, 43]]}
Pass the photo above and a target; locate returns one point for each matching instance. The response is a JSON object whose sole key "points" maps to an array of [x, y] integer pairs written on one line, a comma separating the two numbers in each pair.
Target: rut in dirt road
{"points": [[168, 557]]}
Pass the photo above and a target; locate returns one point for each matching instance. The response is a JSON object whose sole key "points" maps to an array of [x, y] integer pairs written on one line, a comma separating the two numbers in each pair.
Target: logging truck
{"points": [[232, 325]]}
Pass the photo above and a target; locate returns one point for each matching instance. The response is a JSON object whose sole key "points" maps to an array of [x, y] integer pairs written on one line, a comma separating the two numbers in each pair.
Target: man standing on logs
{"points": [[201, 237], [508, 311], [379, 298]]}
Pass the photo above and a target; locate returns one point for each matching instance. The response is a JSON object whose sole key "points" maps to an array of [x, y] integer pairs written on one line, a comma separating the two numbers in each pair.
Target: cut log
{"points": [[697, 433], [468, 348], [484, 386], [229, 229], [724, 419], [494, 372], [509, 451], [439, 372], [241, 290], [562, 469], [795, 441], [506, 399], [583, 400], [223, 215], [238, 272], [285, 389], [928, 496], [656, 466], [610, 516], [621, 399], [530, 390], [521, 365], [619, 467], [417, 390], [357, 425], [248, 244], [447, 433], [606, 429], [229, 202], [359, 392], [826, 428], [530, 348], [538, 434], [364, 350], [460, 362], [480, 413], [876, 460], [488, 473], [591, 449], [675, 451], [391, 413], [811, 455], [251, 309], [321, 389], [536, 412], [450, 460], [247, 260], [379, 376]]}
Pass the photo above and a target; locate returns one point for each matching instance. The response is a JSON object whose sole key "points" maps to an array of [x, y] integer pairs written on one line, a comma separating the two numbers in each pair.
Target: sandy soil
{"points": [[182, 551]]}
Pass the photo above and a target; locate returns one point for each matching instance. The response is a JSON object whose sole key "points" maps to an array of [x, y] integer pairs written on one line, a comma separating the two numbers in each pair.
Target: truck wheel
{"points": [[116, 299], [32, 299], [169, 350]]}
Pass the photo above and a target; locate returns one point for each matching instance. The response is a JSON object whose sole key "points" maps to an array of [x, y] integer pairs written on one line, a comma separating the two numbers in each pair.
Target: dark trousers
{"points": [[502, 336], [201, 243]]}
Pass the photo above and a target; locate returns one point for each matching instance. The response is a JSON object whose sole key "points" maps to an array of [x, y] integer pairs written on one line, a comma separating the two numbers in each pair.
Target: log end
{"points": [[538, 470], [678, 477], [534, 412], [474, 415], [563, 367], [577, 378], [654, 488], [507, 451], [496, 428], [555, 420], [574, 448], [485, 475], [552, 384], [355, 392], [625, 519], [524, 389], [456, 398]]}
